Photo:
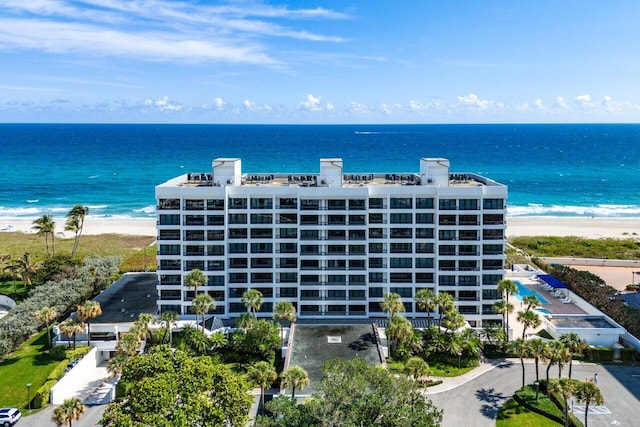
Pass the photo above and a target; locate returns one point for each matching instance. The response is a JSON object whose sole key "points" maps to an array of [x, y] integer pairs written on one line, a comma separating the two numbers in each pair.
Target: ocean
{"points": [[551, 170]]}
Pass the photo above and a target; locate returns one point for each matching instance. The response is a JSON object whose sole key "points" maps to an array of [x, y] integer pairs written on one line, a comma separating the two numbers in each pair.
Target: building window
{"points": [[376, 277], [492, 234], [169, 219], [237, 218], [237, 277], [424, 262], [288, 218], [307, 204], [309, 220], [237, 248], [262, 233], [376, 203], [215, 234], [375, 293], [261, 248], [400, 233], [400, 248], [215, 219], [261, 262], [288, 278], [492, 249], [215, 204], [403, 292], [357, 250], [401, 203], [376, 218], [357, 205], [400, 278], [169, 264], [355, 279], [216, 281], [356, 264], [194, 205], [493, 204], [169, 204], [288, 292], [356, 220], [336, 205], [237, 233], [447, 235], [262, 278], [261, 219], [376, 262], [288, 262], [288, 203], [288, 248], [424, 218], [261, 203], [400, 218], [424, 233], [237, 203], [215, 250], [424, 203], [169, 250], [193, 235], [424, 277], [194, 220], [337, 220], [215, 265], [468, 204], [238, 263], [376, 248], [400, 262], [447, 204], [424, 248]]}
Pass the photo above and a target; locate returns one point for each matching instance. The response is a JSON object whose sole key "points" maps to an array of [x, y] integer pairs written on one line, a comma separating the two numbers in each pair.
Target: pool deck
{"points": [[554, 304]]}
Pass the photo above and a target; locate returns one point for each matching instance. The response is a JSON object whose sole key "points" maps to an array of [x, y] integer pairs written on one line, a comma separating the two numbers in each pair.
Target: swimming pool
{"points": [[523, 291], [543, 310]]}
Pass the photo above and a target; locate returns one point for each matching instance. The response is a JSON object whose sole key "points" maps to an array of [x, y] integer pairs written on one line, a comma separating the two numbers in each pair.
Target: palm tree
{"points": [[505, 308], [263, 374], [588, 392], [425, 300], [507, 288], [453, 320], [392, 304], [520, 348], [47, 315], [575, 344], [565, 388], [85, 312], [129, 343], [143, 324], [45, 226], [284, 311], [71, 409], [296, 378], [531, 301], [201, 305], [538, 350], [75, 223], [70, 328], [417, 368], [195, 279], [116, 364], [26, 267], [553, 354], [564, 357], [529, 319], [217, 340], [471, 342], [399, 331], [169, 318], [252, 299], [445, 302]]}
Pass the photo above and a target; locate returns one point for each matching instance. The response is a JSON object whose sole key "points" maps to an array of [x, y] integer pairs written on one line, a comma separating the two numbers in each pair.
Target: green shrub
{"points": [[600, 354], [633, 288], [41, 397], [59, 352], [628, 354], [58, 371]]}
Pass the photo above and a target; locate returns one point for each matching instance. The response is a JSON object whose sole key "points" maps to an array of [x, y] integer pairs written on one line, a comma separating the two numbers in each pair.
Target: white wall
{"points": [[82, 380]]}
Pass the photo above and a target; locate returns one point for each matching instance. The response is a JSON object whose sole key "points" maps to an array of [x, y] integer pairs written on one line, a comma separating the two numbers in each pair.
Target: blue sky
{"points": [[422, 61]]}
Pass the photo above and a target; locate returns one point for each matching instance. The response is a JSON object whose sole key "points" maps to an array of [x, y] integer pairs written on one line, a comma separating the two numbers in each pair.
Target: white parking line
{"points": [[593, 410]]}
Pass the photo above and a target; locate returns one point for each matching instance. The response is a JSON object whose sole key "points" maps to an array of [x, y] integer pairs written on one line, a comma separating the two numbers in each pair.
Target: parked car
{"points": [[9, 416]]}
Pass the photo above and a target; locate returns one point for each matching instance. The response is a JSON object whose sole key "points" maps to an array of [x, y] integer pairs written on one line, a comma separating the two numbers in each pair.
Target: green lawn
{"points": [[7, 288], [29, 364], [513, 415], [442, 370]]}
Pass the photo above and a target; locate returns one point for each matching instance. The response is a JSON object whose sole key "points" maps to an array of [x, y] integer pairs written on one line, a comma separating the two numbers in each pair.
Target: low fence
{"points": [[594, 262]]}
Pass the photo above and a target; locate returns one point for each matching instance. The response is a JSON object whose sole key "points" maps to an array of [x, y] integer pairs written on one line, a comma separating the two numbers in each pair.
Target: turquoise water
{"points": [[552, 170], [543, 310], [523, 291]]}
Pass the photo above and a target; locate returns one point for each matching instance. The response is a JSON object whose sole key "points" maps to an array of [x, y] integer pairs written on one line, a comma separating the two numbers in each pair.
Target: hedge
{"points": [[41, 397], [559, 402], [628, 354], [600, 354]]}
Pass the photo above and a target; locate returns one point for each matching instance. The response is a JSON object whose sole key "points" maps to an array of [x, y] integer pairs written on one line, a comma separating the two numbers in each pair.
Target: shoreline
{"points": [[586, 227]]}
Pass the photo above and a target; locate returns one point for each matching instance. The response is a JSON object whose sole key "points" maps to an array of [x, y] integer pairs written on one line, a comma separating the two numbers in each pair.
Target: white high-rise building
{"points": [[332, 243]]}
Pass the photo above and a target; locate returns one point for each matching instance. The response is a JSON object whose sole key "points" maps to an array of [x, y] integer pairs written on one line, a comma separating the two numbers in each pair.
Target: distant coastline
{"points": [[588, 227]]}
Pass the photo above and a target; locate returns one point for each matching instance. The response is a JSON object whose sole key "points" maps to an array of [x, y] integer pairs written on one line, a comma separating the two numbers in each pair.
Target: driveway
{"points": [[92, 415], [476, 402]]}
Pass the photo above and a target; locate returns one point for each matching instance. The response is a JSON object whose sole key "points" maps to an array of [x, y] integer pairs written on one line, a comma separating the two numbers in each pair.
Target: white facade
{"points": [[332, 243]]}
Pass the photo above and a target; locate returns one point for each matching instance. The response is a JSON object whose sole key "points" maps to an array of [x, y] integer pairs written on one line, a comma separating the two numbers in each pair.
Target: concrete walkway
{"points": [[449, 383]]}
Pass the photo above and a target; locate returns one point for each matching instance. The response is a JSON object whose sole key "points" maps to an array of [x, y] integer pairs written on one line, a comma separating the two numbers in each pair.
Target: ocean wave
{"points": [[97, 207], [19, 212], [605, 210], [33, 201], [151, 209]]}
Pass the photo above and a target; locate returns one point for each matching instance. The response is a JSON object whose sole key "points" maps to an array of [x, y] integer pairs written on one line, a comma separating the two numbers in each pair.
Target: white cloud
{"points": [[312, 103], [560, 103], [538, 103], [583, 100], [163, 104], [219, 104], [473, 101]]}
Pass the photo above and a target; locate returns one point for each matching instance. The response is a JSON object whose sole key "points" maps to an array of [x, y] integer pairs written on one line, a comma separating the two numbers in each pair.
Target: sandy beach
{"points": [[596, 228]]}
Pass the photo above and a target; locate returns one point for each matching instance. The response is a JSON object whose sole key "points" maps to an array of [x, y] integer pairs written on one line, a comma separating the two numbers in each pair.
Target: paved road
{"points": [[476, 403], [90, 418]]}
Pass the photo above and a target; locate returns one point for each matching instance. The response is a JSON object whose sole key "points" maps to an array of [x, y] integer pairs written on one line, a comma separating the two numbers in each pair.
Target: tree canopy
{"points": [[169, 388]]}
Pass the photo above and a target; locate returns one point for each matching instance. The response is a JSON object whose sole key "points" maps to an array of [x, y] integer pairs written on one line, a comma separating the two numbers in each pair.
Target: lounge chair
{"points": [[567, 301]]}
